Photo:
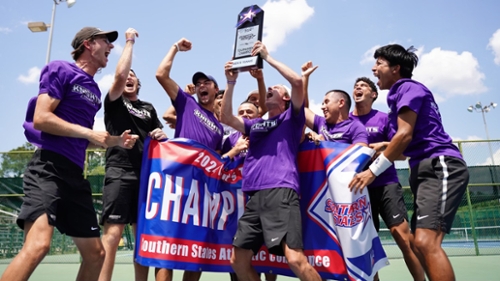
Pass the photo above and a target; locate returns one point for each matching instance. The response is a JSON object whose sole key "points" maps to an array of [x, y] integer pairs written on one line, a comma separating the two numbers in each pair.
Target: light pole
{"points": [[478, 107], [42, 26]]}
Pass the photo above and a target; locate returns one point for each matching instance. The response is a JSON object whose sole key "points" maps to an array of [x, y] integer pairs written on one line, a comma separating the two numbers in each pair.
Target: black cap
{"points": [[89, 32]]}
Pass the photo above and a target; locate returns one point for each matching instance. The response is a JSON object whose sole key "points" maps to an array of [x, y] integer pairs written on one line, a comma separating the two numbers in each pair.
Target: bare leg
{"points": [[141, 272], [110, 240], [191, 276], [241, 261], [403, 237], [270, 276], [38, 235], [427, 246], [93, 255], [297, 262], [163, 274]]}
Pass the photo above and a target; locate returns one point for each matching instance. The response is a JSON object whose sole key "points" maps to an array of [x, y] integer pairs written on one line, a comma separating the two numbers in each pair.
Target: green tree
{"points": [[15, 161], [96, 162]]}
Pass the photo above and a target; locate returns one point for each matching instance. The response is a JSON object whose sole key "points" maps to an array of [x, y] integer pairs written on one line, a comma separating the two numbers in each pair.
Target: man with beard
{"points": [[270, 175], [56, 193], [195, 120], [123, 109]]}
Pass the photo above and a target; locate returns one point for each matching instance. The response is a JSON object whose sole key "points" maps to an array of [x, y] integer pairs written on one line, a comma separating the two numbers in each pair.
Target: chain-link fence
{"points": [[476, 229]]}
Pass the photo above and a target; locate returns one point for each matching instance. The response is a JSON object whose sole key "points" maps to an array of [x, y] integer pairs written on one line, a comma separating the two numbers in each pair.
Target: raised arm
{"points": [[163, 71], [123, 66], [259, 76], [307, 69], [227, 101], [297, 94]]}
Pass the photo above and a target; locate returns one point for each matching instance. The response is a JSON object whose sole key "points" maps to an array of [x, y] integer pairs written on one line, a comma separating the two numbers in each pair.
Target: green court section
{"points": [[481, 268]]}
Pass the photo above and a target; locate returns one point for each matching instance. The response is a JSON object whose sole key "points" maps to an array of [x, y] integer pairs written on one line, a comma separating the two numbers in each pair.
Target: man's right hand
{"points": [[98, 138], [308, 68], [184, 45], [131, 34]]}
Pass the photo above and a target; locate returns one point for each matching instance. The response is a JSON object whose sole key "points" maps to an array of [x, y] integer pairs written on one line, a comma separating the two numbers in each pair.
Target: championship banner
{"points": [[190, 201]]}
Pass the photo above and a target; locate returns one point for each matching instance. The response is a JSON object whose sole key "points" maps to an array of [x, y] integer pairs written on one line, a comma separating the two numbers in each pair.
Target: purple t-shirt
{"points": [[348, 131], [80, 99], [377, 127], [429, 138], [230, 142], [196, 123], [271, 160]]}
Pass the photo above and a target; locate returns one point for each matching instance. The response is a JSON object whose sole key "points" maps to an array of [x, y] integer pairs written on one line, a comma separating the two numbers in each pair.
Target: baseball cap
{"points": [[89, 32], [200, 74]]}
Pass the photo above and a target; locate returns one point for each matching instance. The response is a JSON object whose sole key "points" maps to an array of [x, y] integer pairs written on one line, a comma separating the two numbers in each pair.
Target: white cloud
{"points": [[368, 56], [118, 49], [496, 158], [469, 138], [450, 73], [5, 30], [494, 45], [99, 124], [382, 96], [31, 78], [281, 18], [105, 83], [315, 107]]}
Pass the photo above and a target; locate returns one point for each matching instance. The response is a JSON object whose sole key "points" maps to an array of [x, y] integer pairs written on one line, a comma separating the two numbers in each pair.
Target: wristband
{"points": [[130, 39], [380, 165], [231, 82], [177, 46]]}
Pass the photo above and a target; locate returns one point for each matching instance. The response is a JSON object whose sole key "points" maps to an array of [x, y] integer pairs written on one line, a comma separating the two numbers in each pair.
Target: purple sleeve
{"points": [[318, 120], [180, 101], [410, 95], [52, 80], [359, 134], [248, 124]]}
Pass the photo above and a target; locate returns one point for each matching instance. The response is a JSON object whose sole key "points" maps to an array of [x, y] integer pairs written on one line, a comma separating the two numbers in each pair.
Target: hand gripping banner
{"points": [[190, 201]]}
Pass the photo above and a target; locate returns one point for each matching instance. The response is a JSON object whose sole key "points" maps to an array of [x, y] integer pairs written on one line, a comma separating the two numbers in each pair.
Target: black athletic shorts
{"points": [[438, 185], [270, 216], [54, 185], [388, 201], [120, 196]]}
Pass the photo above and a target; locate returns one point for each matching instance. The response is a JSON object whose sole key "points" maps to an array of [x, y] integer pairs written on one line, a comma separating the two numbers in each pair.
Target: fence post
{"points": [[471, 214]]}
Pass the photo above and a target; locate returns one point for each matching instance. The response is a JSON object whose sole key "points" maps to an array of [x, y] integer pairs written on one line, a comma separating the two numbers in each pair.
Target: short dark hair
{"points": [[247, 102], [370, 83], [397, 55], [343, 95], [220, 93]]}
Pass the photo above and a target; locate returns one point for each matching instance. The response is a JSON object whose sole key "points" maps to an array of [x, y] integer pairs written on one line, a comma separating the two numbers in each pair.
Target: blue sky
{"points": [[458, 44]]}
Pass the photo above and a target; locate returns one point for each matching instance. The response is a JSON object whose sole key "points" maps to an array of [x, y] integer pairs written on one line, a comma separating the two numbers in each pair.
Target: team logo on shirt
{"points": [[207, 122], [329, 136], [140, 113], [264, 126], [372, 129], [87, 95]]}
